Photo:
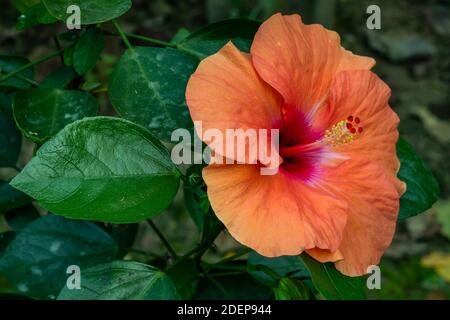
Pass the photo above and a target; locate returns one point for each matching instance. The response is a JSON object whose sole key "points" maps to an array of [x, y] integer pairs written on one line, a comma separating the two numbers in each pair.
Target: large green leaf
{"points": [[185, 275], [422, 188], [11, 198], [148, 87], [41, 113], [37, 259], [33, 16], [92, 11], [211, 38], [283, 266], [11, 63], [291, 289], [10, 141], [104, 169], [87, 50], [122, 280], [332, 284], [23, 5]]}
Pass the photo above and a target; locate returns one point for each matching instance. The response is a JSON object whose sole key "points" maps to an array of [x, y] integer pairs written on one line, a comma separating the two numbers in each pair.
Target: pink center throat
{"points": [[304, 149]]}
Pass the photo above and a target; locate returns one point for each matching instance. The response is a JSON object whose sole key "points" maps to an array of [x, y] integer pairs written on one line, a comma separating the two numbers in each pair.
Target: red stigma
{"points": [[349, 125], [350, 118], [357, 120], [353, 130], [360, 129]]}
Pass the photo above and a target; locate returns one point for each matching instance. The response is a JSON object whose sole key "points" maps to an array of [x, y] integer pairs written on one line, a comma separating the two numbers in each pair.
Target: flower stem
{"points": [[259, 267], [235, 256], [162, 238], [101, 90], [158, 42], [30, 81], [122, 34], [29, 65]]}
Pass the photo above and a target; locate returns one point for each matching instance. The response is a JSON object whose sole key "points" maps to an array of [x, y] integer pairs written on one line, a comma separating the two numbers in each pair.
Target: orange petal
{"points": [[361, 94], [373, 205], [324, 256], [274, 215], [225, 92], [300, 61]]}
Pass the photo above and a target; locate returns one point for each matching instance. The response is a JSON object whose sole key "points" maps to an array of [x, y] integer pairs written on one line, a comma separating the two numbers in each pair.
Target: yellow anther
{"points": [[338, 135]]}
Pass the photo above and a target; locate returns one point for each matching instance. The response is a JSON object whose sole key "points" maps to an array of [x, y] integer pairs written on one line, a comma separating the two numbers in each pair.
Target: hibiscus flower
{"points": [[336, 193]]}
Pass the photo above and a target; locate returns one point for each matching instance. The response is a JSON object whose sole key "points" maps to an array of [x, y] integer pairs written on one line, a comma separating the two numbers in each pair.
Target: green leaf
{"points": [[41, 113], [104, 169], [195, 196], [59, 78], [211, 38], [332, 284], [291, 289], [69, 36], [23, 5], [90, 85], [33, 16], [185, 276], [92, 11], [11, 63], [181, 34], [122, 280], [10, 142], [11, 198], [148, 87], [20, 218], [422, 188], [284, 265], [87, 50], [37, 259]]}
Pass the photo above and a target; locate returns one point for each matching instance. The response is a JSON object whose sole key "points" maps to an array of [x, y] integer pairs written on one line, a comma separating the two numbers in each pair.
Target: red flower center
{"points": [[304, 148]]}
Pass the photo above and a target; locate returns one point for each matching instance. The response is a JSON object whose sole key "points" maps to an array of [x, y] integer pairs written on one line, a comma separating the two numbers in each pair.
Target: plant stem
{"points": [[259, 267], [101, 90], [198, 251], [122, 34], [32, 82], [162, 238], [146, 39], [162, 43], [235, 256], [58, 44], [29, 65], [218, 285], [184, 178], [229, 273], [218, 266]]}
